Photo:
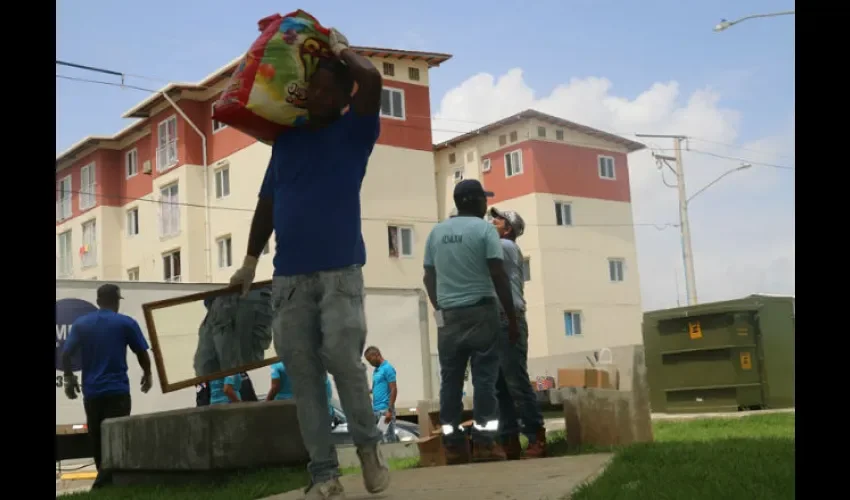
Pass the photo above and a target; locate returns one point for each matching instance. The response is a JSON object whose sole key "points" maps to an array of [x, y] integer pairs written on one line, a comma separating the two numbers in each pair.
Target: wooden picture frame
{"points": [[164, 383]]}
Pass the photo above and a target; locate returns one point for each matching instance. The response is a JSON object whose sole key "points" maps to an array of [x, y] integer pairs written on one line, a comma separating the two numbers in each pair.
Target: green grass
{"points": [[748, 458]]}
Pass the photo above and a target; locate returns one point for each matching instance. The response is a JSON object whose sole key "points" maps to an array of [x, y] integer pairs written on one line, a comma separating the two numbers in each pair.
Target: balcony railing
{"points": [[166, 156]]}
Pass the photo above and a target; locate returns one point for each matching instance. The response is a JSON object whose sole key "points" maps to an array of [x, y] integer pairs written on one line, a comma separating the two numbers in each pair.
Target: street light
{"points": [[724, 24], [715, 181]]}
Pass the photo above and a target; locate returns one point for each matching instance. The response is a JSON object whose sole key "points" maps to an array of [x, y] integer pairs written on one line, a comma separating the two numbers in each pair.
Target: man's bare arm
{"points": [[144, 362], [273, 389], [261, 227], [503, 287], [430, 282], [367, 100], [230, 393], [66, 360]]}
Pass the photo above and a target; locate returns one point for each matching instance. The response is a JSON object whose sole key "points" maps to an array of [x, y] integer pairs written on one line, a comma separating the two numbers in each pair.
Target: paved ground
{"points": [[544, 479]]}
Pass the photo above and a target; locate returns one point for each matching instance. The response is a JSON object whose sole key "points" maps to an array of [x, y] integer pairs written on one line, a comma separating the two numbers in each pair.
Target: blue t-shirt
{"points": [[217, 395], [458, 249], [381, 378], [284, 391], [313, 179], [103, 337]]}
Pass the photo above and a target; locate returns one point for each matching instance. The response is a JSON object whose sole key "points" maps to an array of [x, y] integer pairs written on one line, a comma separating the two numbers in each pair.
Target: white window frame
{"points": [[224, 245], [581, 326], [169, 210], [89, 239], [65, 260], [600, 167], [168, 266], [399, 231], [564, 207], [220, 185], [514, 171], [616, 270], [131, 163], [485, 165], [166, 145], [133, 274], [64, 206], [216, 125], [457, 174], [87, 198], [403, 104], [132, 221]]}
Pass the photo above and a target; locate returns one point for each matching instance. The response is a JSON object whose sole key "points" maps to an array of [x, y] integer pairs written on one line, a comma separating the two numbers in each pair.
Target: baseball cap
{"points": [[513, 219], [468, 188], [109, 292]]}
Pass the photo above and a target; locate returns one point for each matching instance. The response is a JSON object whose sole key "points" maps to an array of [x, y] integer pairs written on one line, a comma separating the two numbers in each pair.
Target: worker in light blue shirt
{"points": [[226, 390], [384, 392], [281, 387]]}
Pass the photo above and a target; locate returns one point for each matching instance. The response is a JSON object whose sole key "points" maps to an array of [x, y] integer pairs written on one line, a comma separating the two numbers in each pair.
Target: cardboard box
{"points": [[599, 379], [571, 377], [590, 377]]}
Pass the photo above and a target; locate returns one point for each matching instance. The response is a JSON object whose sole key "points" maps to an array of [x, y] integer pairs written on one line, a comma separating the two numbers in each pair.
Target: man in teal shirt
{"points": [[384, 392], [464, 276], [226, 390], [281, 387]]}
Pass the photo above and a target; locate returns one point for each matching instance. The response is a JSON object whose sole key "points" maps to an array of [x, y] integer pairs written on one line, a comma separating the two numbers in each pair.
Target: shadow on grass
{"points": [[696, 470]]}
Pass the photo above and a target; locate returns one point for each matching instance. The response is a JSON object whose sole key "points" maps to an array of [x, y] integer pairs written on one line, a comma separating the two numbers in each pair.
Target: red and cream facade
{"points": [[570, 183]]}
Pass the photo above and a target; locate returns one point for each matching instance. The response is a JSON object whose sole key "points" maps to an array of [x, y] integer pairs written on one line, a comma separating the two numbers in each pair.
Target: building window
{"points": [[485, 165], [541, 131], [131, 163], [65, 262], [615, 270], [526, 269], [413, 74], [133, 274], [222, 183], [132, 222], [392, 103], [563, 214], [171, 266], [63, 204], [470, 156], [452, 158], [457, 174], [389, 69], [166, 149], [559, 134], [513, 163], [400, 241], [216, 125], [513, 136], [88, 252], [606, 167], [87, 184], [503, 139], [169, 211], [267, 248], [572, 323], [225, 252]]}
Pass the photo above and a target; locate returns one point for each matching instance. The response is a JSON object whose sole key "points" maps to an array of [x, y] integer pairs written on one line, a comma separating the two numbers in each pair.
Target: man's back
{"points": [[284, 390], [458, 248], [103, 337], [513, 263], [314, 180]]}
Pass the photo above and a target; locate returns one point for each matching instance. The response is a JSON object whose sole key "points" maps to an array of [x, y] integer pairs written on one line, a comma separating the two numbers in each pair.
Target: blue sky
{"points": [[734, 88]]}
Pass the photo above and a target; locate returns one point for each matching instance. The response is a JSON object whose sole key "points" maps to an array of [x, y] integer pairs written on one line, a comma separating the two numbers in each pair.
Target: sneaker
{"points": [[512, 447], [490, 452], [328, 490], [537, 449], [376, 474]]}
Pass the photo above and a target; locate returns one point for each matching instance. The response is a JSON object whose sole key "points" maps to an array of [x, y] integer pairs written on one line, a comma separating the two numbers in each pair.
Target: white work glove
{"points": [[337, 41], [244, 276], [72, 386]]}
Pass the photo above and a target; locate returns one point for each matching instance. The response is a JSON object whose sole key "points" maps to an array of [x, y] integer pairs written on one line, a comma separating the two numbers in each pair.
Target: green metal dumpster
{"points": [[721, 356]]}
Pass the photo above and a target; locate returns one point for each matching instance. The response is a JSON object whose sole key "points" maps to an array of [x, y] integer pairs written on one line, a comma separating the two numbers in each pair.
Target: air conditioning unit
{"points": [[146, 167]]}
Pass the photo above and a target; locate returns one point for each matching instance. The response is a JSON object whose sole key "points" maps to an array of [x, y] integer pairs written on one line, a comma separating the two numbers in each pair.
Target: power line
{"points": [[733, 146], [744, 160], [660, 226]]}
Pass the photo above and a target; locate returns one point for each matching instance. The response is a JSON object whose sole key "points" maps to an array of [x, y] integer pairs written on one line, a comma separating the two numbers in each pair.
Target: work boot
{"points": [[512, 447], [537, 449], [328, 490], [457, 454], [376, 474], [489, 452]]}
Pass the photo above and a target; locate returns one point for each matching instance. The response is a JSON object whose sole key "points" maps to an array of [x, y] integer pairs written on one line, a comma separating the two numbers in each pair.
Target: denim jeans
{"points": [[469, 333], [389, 436], [320, 325], [513, 388]]}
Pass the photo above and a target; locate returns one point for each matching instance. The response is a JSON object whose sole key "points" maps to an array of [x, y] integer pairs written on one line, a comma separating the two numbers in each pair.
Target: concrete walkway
{"points": [[544, 479]]}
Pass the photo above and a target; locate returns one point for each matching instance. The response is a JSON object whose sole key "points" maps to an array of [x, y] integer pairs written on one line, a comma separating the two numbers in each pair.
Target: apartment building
{"points": [[571, 185], [170, 197]]}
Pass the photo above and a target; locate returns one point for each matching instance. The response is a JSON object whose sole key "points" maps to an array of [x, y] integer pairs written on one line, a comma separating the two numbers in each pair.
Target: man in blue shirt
{"points": [[226, 390], [102, 338], [464, 277], [310, 198], [281, 386], [384, 392], [512, 388]]}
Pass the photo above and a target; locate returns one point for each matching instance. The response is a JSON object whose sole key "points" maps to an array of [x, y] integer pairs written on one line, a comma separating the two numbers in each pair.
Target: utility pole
{"points": [[684, 223]]}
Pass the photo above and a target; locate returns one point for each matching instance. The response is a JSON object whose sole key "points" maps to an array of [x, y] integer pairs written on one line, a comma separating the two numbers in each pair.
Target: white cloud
{"points": [[742, 228]]}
